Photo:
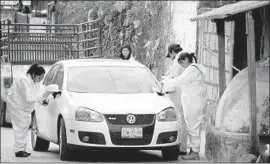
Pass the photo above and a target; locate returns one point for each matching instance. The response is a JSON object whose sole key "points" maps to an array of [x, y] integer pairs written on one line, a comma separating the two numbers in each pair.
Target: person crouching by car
{"points": [[176, 69]]}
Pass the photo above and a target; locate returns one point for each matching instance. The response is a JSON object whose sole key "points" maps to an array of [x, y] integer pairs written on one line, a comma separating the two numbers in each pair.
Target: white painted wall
{"points": [[184, 29]]}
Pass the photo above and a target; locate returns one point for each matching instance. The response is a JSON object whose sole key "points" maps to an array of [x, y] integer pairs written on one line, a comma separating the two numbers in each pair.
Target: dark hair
{"points": [[35, 70], [26, 10], [174, 48], [185, 55], [121, 54]]}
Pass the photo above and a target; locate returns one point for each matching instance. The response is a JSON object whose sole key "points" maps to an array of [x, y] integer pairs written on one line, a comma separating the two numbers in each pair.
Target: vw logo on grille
{"points": [[131, 119]]}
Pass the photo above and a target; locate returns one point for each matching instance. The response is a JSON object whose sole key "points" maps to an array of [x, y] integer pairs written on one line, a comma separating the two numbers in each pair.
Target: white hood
{"points": [[149, 103]]}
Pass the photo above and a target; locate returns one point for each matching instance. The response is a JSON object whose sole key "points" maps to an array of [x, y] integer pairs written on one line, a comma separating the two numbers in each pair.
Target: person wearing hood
{"points": [[25, 91], [175, 92], [126, 53], [193, 98], [173, 54]]}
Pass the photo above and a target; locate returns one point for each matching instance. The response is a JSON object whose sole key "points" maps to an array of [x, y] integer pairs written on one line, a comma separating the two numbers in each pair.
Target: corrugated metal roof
{"points": [[231, 9]]}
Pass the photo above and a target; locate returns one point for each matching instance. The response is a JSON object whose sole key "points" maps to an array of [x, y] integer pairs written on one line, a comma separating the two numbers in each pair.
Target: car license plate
{"points": [[131, 133]]}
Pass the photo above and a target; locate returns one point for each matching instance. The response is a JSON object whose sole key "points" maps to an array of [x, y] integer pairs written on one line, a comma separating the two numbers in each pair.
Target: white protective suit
{"points": [[193, 99], [176, 69], [22, 97], [175, 95]]}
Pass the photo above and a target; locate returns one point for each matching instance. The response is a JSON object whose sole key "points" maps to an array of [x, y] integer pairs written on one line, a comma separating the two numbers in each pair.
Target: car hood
{"points": [[149, 103]]}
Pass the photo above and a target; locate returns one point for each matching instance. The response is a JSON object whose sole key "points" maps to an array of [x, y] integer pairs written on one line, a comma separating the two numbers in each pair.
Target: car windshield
{"points": [[110, 80]]}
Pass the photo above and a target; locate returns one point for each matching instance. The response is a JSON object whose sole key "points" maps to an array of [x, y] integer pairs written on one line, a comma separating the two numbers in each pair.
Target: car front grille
{"points": [[115, 133], [120, 119], [115, 124]]}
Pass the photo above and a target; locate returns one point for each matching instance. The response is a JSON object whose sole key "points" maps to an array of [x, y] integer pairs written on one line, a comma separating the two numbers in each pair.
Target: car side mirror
{"points": [[55, 89], [52, 88]]}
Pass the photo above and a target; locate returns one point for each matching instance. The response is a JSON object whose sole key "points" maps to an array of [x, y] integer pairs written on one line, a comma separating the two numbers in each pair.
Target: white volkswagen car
{"points": [[105, 104]]}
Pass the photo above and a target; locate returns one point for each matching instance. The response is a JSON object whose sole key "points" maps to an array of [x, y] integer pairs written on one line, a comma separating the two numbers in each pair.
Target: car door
{"points": [[53, 107], [41, 110]]}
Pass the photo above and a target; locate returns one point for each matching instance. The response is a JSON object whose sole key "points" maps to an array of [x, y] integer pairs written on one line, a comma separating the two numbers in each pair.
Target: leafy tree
{"points": [[145, 25]]}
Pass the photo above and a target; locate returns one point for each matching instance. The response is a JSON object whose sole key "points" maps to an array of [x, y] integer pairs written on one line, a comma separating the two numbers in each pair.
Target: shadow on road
{"points": [[115, 156]]}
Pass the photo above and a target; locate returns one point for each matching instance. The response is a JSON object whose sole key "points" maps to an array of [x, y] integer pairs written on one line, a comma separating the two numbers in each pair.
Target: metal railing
{"points": [[46, 44], [89, 38]]}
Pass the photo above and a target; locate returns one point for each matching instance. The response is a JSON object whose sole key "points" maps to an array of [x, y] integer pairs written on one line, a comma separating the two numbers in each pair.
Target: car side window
{"points": [[49, 78], [58, 79]]}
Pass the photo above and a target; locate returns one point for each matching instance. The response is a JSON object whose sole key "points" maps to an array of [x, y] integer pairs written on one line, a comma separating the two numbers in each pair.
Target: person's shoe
{"points": [[182, 153], [191, 156], [21, 154], [27, 153]]}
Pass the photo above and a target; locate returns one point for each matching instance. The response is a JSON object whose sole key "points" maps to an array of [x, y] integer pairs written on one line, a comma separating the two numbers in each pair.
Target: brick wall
{"points": [[208, 56]]}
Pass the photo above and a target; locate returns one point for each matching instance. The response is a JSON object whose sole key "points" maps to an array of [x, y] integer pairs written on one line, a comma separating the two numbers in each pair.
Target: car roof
{"points": [[99, 62]]}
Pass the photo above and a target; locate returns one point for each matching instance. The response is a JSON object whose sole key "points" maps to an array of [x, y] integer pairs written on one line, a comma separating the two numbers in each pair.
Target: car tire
{"points": [[31, 124], [3, 114], [64, 150], [170, 154], [38, 144]]}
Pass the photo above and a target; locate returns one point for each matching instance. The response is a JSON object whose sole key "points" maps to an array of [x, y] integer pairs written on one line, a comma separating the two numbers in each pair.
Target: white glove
{"points": [[45, 102]]}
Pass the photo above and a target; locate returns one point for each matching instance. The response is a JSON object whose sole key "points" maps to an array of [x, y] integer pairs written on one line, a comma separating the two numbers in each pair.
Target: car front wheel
{"points": [[65, 151], [170, 154], [38, 144]]}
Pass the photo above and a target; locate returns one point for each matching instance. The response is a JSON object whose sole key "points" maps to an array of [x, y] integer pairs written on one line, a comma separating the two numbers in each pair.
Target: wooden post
{"points": [[221, 55], [2, 43], [250, 31], [100, 37]]}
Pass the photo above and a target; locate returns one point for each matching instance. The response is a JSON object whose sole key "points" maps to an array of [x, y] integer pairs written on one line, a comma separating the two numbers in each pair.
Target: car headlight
{"points": [[89, 115], [168, 114]]}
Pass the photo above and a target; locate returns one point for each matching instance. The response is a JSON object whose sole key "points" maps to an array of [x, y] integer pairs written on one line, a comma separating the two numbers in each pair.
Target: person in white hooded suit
{"points": [[25, 91], [175, 92], [193, 98], [173, 53]]}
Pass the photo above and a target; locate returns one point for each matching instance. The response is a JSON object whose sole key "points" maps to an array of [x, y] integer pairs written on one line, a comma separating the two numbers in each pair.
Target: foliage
{"points": [[145, 25]]}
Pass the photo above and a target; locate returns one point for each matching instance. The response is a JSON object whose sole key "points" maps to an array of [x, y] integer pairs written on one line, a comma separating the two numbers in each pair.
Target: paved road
{"points": [[52, 155]]}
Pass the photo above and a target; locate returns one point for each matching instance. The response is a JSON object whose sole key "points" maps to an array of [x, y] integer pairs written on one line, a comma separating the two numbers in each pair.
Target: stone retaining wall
{"points": [[225, 146]]}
